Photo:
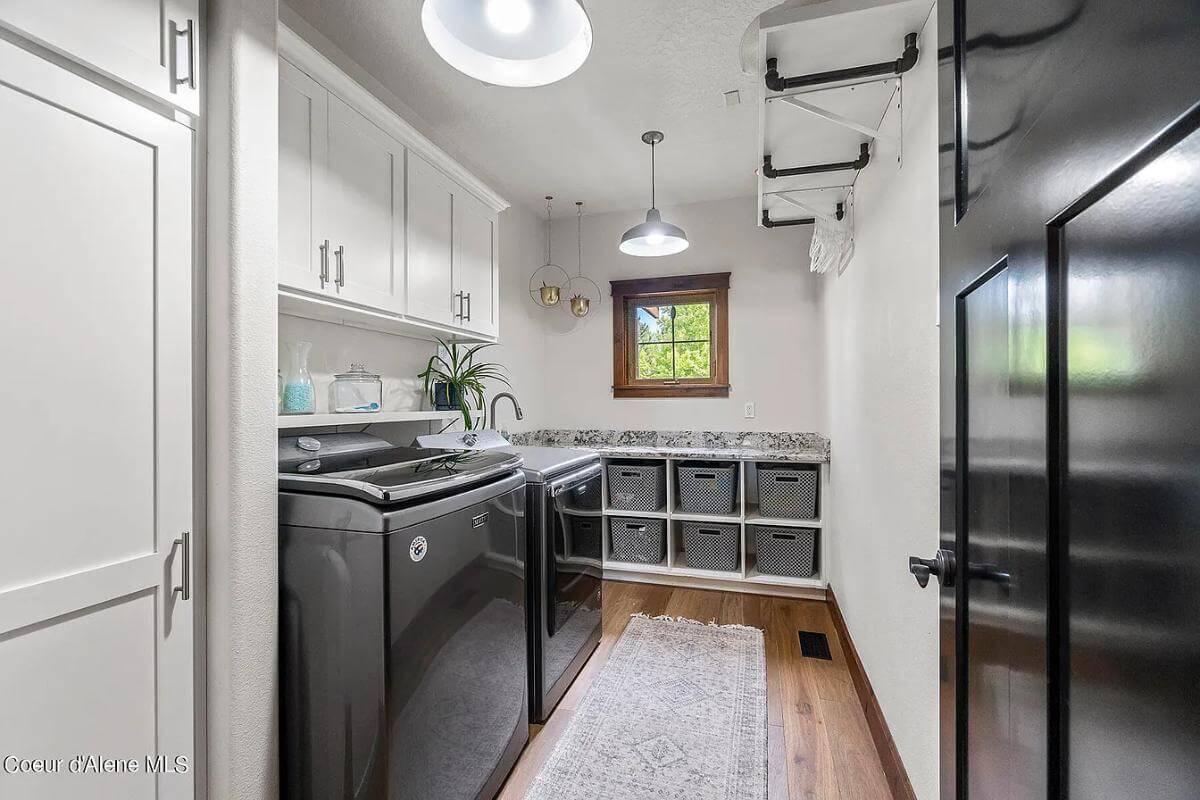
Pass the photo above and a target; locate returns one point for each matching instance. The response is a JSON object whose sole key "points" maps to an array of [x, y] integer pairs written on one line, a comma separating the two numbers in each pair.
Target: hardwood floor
{"points": [[818, 743]]}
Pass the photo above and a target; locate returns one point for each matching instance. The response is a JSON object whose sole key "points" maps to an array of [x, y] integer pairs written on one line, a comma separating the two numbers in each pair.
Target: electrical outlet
{"points": [[749, 410]]}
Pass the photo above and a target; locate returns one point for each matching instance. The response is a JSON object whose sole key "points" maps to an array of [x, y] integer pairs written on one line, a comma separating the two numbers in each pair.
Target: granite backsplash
{"points": [[784, 444]]}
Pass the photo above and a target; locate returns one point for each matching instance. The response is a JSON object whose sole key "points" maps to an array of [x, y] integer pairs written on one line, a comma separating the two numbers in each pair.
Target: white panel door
{"points": [[364, 210], [96, 646], [430, 243], [151, 45], [304, 250], [476, 269]]}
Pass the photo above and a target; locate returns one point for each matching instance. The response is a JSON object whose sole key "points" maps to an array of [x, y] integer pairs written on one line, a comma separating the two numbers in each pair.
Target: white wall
{"points": [[882, 355], [522, 341], [775, 353], [241, 586]]}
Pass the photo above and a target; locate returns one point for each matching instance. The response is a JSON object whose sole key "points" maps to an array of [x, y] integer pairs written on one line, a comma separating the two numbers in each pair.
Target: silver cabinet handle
{"points": [[467, 296], [324, 273], [459, 297], [188, 52], [184, 590], [340, 255]]}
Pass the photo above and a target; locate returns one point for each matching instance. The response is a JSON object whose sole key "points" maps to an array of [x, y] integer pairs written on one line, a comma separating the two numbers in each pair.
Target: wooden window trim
{"points": [[628, 294]]}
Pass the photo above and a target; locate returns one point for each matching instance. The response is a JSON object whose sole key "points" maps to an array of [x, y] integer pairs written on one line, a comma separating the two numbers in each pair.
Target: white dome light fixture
{"points": [[653, 237], [509, 42]]}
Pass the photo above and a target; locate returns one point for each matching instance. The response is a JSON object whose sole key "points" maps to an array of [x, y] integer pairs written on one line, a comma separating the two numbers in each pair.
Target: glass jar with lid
{"points": [[356, 391]]}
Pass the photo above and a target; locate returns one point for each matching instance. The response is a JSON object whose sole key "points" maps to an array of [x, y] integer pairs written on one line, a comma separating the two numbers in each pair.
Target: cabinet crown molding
{"points": [[305, 57]]}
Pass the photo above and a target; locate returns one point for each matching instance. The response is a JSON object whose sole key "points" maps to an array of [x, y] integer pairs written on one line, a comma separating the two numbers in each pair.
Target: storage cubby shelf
{"points": [[755, 518], [619, 512], [747, 578], [689, 517]]}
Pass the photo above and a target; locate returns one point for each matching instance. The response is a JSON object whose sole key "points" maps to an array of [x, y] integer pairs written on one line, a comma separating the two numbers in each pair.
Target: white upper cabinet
{"points": [[377, 226], [149, 45], [476, 271], [341, 198], [430, 243], [303, 133], [364, 210]]}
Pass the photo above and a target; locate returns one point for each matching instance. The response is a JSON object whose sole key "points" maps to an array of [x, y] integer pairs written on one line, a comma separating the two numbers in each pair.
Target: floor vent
{"points": [[814, 645]]}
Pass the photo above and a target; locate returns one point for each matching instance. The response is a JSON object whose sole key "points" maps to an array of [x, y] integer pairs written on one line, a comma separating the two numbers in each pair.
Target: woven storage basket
{"points": [[637, 487], [789, 552], [788, 492], [637, 540], [707, 488], [711, 546]]}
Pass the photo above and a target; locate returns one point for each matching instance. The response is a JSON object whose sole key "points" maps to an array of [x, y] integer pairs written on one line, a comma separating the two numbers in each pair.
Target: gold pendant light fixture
{"points": [[547, 281], [584, 290]]}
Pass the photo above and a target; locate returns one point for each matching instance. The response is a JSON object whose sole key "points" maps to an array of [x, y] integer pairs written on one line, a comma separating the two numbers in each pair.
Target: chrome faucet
{"points": [[516, 407]]}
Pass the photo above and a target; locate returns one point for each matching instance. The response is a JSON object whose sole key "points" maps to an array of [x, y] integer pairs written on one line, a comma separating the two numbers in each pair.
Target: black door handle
{"points": [[941, 565]]}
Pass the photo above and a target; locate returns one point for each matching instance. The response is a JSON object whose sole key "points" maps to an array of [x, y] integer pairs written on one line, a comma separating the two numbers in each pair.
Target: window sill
{"points": [[674, 390]]}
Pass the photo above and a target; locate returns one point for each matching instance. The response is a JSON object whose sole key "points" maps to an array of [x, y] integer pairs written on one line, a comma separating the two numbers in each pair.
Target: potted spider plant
{"points": [[454, 379]]}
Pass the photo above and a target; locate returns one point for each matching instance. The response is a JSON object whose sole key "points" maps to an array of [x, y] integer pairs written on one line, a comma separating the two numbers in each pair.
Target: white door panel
{"points": [[475, 264], [133, 41], [303, 146], [430, 243], [365, 210], [96, 647]]}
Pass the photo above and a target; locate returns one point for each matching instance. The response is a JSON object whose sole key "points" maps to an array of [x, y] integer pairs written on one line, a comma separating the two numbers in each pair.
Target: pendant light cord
{"points": [[579, 235], [652, 175], [548, 199]]}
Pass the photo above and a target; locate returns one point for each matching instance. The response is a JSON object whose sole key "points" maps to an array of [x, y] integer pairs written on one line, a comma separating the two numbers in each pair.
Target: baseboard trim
{"points": [[893, 767]]}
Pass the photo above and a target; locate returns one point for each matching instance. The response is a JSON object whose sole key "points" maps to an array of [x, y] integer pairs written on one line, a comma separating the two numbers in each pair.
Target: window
{"points": [[670, 336]]}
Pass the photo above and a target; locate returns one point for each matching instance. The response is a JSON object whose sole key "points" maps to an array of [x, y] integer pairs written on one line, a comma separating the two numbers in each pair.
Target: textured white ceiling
{"points": [[655, 64]]}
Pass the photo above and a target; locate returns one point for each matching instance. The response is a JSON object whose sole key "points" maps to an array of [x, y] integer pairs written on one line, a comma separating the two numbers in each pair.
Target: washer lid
{"points": [[393, 474]]}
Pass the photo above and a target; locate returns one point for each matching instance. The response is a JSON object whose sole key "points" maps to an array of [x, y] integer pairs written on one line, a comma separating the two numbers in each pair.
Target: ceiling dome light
{"points": [[509, 42], [653, 237]]}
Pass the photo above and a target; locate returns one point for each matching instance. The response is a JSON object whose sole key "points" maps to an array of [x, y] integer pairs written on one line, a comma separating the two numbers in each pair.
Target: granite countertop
{"points": [[736, 445]]}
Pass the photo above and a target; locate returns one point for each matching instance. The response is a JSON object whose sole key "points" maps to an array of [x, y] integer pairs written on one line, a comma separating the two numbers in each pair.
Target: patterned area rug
{"points": [[679, 712]]}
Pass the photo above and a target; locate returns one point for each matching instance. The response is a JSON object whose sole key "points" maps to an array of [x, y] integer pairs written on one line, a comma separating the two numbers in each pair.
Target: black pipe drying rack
{"points": [[864, 158], [776, 83], [786, 223], [906, 61]]}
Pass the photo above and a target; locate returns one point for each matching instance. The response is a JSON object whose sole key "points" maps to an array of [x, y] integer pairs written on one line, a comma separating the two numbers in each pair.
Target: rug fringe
{"points": [[712, 623]]}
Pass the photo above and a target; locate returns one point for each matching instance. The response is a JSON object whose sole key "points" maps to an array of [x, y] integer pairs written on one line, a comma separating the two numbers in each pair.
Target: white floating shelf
{"points": [[329, 420]]}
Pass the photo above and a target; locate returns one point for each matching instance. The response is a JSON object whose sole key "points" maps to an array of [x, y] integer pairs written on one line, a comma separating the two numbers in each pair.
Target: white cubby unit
{"points": [[746, 516]]}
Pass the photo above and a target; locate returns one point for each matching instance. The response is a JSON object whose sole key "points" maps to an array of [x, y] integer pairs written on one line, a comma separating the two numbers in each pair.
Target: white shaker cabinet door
{"points": [[364, 210], [150, 45], [476, 270], [96, 615], [430, 243], [304, 254]]}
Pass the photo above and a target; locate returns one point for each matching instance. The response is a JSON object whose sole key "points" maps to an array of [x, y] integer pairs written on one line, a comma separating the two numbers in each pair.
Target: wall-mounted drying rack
{"points": [[811, 122], [767, 222], [906, 61], [864, 157]]}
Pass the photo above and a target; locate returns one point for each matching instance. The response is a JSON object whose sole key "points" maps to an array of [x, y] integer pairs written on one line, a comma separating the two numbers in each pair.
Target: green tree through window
{"points": [[674, 341]]}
